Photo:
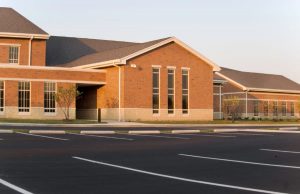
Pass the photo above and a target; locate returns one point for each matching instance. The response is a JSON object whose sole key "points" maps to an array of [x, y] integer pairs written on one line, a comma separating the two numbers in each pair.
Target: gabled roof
{"points": [[14, 24], [93, 53], [259, 81]]}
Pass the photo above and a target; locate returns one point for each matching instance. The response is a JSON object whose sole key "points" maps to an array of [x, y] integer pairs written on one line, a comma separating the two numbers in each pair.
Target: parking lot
{"points": [[236, 162]]}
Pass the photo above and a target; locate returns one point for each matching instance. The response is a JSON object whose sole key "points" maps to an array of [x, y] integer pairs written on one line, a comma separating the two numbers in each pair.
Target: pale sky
{"points": [[248, 35]]}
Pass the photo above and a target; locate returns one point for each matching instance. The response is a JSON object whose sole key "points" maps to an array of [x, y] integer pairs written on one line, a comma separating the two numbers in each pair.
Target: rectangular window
{"points": [[13, 54], [292, 109], [185, 91], [266, 108], [49, 97], [24, 97], [155, 90], [256, 108], [275, 108], [171, 83], [283, 104], [1, 96]]}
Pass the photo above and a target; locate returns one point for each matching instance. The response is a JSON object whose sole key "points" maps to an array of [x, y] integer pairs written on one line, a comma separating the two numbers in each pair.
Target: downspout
{"points": [[119, 91], [29, 50], [246, 103], [220, 104]]}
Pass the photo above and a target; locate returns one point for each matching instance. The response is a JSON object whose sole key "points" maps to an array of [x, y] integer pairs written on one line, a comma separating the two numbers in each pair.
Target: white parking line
{"points": [[246, 134], [43, 136], [161, 136], [239, 161], [205, 135], [14, 187], [179, 178], [106, 137], [283, 151], [1, 139]]}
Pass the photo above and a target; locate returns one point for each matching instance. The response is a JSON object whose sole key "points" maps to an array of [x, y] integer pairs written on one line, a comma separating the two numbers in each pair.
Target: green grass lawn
{"points": [[226, 122], [47, 121]]}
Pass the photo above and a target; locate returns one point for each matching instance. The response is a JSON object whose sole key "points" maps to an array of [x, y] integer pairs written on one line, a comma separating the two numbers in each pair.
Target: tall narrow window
{"points": [[1, 96], [266, 108], [155, 90], [283, 104], [185, 91], [13, 54], [171, 91], [275, 108], [49, 97], [292, 109], [256, 108], [24, 96]]}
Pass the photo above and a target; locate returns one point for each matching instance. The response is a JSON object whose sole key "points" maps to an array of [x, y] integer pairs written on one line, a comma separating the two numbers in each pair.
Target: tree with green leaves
{"points": [[65, 97], [231, 107]]}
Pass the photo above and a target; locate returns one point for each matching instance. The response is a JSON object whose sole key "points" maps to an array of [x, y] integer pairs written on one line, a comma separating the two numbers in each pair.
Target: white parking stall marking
{"points": [[239, 161], [282, 151], [14, 187], [206, 135], [161, 136], [1, 139], [178, 178], [105, 137], [246, 134], [43, 136]]}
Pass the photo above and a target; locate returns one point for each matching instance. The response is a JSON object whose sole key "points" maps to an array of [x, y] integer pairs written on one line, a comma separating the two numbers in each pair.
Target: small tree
{"points": [[65, 97], [298, 107], [231, 107]]}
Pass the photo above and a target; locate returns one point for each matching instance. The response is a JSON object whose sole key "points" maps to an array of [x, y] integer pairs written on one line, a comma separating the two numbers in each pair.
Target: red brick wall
{"points": [[31, 73], [107, 95], [38, 52], [138, 81]]}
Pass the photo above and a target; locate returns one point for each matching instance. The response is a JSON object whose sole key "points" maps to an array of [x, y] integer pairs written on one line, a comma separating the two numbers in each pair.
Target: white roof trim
{"points": [[164, 42], [14, 66], [274, 90], [100, 65], [24, 35]]}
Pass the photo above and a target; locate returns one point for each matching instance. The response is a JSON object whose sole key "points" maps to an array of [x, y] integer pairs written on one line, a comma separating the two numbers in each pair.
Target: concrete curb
{"points": [[6, 131], [53, 132], [225, 130], [184, 131], [98, 132], [268, 131], [145, 132]]}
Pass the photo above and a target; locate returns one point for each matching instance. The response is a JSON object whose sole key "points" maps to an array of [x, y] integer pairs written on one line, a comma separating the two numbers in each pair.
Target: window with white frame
{"points": [[1, 96], [185, 91], [283, 105], [266, 108], [256, 108], [155, 90], [275, 108], [292, 109], [13, 54], [24, 96], [49, 97], [171, 90]]}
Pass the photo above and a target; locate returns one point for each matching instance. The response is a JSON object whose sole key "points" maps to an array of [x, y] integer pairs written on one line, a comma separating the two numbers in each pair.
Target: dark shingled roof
{"points": [[72, 52], [13, 22], [260, 80]]}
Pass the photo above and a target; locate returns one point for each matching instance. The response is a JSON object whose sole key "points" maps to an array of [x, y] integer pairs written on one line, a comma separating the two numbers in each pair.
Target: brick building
{"points": [[260, 95], [157, 80]]}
